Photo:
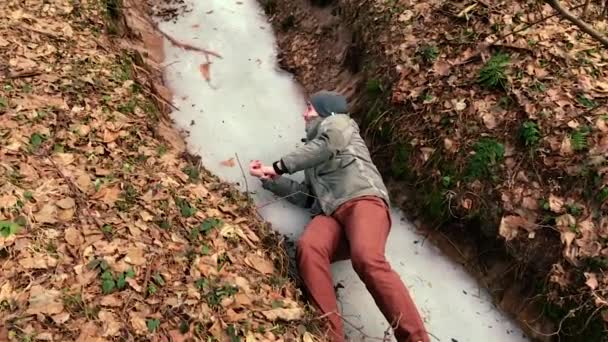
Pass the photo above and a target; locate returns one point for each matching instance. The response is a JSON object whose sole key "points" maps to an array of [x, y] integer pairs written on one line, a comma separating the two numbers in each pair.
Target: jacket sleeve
{"points": [[294, 192], [334, 135]]}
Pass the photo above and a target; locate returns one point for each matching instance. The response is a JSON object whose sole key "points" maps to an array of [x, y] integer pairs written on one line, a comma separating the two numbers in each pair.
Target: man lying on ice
{"points": [[350, 205]]}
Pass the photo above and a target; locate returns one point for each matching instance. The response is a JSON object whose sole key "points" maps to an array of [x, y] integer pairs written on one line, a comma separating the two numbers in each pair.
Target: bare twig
{"points": [[161, 99], [588, 29], [536, 22], [238, 160], [586, 8], [559, 327], [184, 46], [24, 74], [484, 46]]}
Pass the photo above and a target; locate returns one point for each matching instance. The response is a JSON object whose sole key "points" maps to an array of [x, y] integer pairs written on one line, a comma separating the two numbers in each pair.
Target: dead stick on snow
{"points": [[238, 160], [588, 29], [184, 45]]}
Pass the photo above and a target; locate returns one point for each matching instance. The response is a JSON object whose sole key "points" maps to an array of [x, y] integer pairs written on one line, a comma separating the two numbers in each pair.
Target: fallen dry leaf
{"points": [[61, 318], [228, 163], [47, 214], [556, 204], [512, 224], [591, 281], [73, 237], [135, 256], [66, 203], [44, 301], [111, 326], [204, 69], [108, 195], [260, 264], [111, 300]]}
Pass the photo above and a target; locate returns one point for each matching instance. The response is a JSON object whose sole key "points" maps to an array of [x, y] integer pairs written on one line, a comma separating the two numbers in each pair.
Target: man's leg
{"points": [[366, 223], [315, 250]]}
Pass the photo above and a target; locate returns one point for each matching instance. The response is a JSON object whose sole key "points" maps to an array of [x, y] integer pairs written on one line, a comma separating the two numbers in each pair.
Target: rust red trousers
{"points": [[357, 230]]}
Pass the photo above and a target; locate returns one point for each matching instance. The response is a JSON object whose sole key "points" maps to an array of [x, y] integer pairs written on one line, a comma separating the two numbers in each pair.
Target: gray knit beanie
{"points": [[327, 103]]}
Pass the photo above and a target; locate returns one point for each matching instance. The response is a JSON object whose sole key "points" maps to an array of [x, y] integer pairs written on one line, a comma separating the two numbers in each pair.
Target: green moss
{"points": [[488, 154], [399, 166]]}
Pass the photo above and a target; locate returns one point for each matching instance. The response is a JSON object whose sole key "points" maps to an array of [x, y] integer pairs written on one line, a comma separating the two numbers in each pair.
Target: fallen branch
{"points": [[536, 22], [184, 46], [484, 46], [578, 22]]}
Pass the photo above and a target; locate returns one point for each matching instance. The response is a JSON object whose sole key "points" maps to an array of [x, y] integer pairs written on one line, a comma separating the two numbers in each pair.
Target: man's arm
{"points": [[335, 133], [294, 192]]}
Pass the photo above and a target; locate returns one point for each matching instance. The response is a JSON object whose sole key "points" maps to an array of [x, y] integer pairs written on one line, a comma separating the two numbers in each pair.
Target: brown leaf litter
{"points": [[107, 231]]}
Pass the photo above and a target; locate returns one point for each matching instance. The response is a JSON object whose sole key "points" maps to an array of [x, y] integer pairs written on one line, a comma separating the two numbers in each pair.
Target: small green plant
{"points": [[578, 139], [574, 210], [185, 209], [529, 133], [36, 140], [427, 97], [152, 324], [214, 297], [233, 333], [603, 194], [446, 181], [109, 281], [192, 172], [161, 150], [164, 224], [374, 87], [3, 102], [428, 53], [8, 228], [205, 250], [107, 229], [493, 73], [538, 87], [399, 166], [152, 289], [488, 153], [201, 284], [222, 259], [205, 227], [159, 279], [586, 102], [127, 108]]}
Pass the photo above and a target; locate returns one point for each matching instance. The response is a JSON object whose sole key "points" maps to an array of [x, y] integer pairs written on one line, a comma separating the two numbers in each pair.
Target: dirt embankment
{"points": [[109, 230], [488, 119]]}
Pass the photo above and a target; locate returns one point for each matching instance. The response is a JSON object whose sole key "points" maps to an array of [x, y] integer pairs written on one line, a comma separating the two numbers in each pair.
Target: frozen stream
{"points": [[251, 108]]}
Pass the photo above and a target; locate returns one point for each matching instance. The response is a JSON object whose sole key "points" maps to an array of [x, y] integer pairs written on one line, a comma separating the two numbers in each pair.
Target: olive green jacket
{"points": [[337, 168]]}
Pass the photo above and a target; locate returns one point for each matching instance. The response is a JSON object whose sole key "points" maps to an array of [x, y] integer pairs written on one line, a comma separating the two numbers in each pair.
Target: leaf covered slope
{"points": [[107, 230]]}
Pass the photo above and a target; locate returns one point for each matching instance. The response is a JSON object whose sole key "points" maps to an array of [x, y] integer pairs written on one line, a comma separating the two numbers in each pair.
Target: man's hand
{"points": [[257, 169]]}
